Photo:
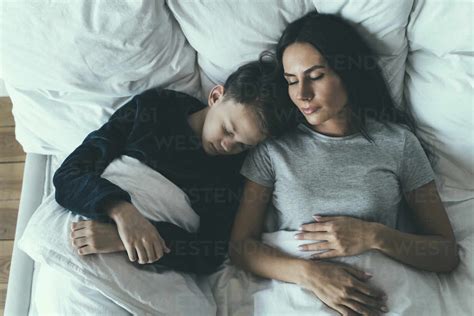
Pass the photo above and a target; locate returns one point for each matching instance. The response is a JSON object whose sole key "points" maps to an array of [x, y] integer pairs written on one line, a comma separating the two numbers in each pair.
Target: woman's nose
{"points": [[304, 93]]}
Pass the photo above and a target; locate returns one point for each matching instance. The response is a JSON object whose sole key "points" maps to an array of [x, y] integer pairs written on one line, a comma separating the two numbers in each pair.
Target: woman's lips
{"points": [[308, 111]]}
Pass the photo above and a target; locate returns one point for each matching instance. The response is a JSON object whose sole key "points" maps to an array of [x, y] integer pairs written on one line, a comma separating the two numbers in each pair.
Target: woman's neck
{"points": [[338, 126]]}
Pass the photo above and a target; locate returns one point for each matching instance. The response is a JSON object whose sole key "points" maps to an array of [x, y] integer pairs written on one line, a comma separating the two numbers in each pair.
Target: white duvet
{"points": [[229, 291]]}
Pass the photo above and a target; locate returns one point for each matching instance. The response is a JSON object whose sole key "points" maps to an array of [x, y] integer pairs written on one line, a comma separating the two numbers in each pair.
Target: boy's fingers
{"points": [[79, 242], [79, 233], [79, 225], [132, 256], [150, 252], [164, 247], [158, 251], [142, 257], [84, 250]]}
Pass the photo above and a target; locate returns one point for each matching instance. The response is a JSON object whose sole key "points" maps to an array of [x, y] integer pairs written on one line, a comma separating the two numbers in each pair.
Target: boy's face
{"points": [[229, 127]]}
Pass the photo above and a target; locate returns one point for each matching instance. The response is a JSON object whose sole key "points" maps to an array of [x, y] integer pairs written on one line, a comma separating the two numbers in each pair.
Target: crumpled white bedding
{"points": [[59, 295], [409, 291], [46, 240], [229, 291], [84, 60]]}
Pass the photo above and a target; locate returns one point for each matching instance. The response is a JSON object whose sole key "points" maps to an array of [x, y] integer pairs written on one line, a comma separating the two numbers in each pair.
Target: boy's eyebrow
{"points": [[234, 127], [306, 71]]}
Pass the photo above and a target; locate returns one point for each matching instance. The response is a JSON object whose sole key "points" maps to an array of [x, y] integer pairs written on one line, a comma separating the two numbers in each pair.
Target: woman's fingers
{"points": [[314, 227], [359, 308], [378, 304], [320, 236], [316, 246], [344, 310], [364, 288], [361, 275], [330, 253]]}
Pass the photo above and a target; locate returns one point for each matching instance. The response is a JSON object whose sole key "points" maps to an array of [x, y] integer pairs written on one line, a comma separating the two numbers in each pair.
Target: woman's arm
{"points": [[245, 248], [434, 249], [341, 287]]}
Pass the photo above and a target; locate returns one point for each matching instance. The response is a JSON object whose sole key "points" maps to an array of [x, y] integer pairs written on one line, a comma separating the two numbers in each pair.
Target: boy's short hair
{"points": [[256, 85]]}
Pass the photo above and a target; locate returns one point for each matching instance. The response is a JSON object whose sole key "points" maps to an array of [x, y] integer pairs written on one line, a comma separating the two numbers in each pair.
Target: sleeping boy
{"points": [[200, 148]]}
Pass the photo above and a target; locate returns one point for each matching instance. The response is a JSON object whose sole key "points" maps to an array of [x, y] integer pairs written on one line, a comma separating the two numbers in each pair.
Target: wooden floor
{"points": [[12, 161]]}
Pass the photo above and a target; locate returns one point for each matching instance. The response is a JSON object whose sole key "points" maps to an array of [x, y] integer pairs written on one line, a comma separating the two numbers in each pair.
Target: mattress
{"points": [[51, 164], [22, 267]]}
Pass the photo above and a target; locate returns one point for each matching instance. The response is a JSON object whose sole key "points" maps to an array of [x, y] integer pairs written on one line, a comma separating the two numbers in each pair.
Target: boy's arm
{"points": [[202, 252], [79, 185]]}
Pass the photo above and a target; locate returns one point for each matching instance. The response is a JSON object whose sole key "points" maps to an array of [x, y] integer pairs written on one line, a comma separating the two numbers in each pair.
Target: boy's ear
{"points": [[216, 93]]}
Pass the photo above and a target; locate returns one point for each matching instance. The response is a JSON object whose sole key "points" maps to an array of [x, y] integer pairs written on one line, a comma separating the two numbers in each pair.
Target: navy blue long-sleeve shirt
{"points": [[153, 128]]}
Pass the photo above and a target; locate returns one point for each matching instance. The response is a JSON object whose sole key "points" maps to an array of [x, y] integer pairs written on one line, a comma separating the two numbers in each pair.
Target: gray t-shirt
{"points": [[314, 174]]}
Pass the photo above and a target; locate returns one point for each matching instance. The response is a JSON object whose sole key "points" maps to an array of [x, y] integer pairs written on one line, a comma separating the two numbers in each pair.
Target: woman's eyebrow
{"points": [[306, 71]]}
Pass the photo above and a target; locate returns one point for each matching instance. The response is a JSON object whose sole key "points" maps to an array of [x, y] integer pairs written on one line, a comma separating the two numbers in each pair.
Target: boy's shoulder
{"points": [[160, 104]]}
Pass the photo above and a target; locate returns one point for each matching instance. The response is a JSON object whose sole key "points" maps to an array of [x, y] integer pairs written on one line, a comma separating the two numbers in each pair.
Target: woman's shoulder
{"points": [[276, 147], [285, 141], [388, 132]]}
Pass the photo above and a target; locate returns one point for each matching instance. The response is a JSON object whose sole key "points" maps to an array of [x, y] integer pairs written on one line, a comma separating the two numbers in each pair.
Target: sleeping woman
{"points": [[339, 178]]}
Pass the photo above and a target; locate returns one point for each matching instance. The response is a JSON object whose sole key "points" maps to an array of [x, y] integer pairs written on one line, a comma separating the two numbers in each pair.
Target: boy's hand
{"points": [[139, 236]]}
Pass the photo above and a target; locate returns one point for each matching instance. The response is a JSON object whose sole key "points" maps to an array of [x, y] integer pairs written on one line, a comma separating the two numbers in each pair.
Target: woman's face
{"points": [[313, 86]]}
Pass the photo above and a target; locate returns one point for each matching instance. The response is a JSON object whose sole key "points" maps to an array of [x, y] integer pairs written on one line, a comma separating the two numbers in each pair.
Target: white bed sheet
{"points": [[236, 292], [59, 295], [410, 291]]}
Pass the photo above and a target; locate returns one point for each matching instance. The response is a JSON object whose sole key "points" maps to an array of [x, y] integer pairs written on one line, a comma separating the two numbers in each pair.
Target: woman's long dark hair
{"points": [[352, 59]]}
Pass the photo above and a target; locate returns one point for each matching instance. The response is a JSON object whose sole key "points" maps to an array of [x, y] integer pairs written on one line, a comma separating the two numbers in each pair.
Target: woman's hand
{"points": [[138, 235], [344, 289], [337, 236]]}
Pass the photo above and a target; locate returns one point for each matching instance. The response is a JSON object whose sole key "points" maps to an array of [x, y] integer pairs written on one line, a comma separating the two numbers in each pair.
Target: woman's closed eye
{"points": [[316, 78], [310, 78]]}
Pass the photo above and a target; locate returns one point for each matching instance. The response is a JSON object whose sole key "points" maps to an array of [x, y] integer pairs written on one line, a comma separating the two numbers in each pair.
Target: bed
{"points": [[68, 66]]}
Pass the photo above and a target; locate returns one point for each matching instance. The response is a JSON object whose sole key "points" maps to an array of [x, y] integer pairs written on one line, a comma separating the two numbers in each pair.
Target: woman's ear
{"points": [[216, 93]]}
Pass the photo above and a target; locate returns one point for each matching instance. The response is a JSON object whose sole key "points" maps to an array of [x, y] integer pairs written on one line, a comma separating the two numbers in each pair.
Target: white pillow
{"points": [[153, 291], [112, 47], [227, 34], [439, 89], [55, 123], [75, 62]]}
